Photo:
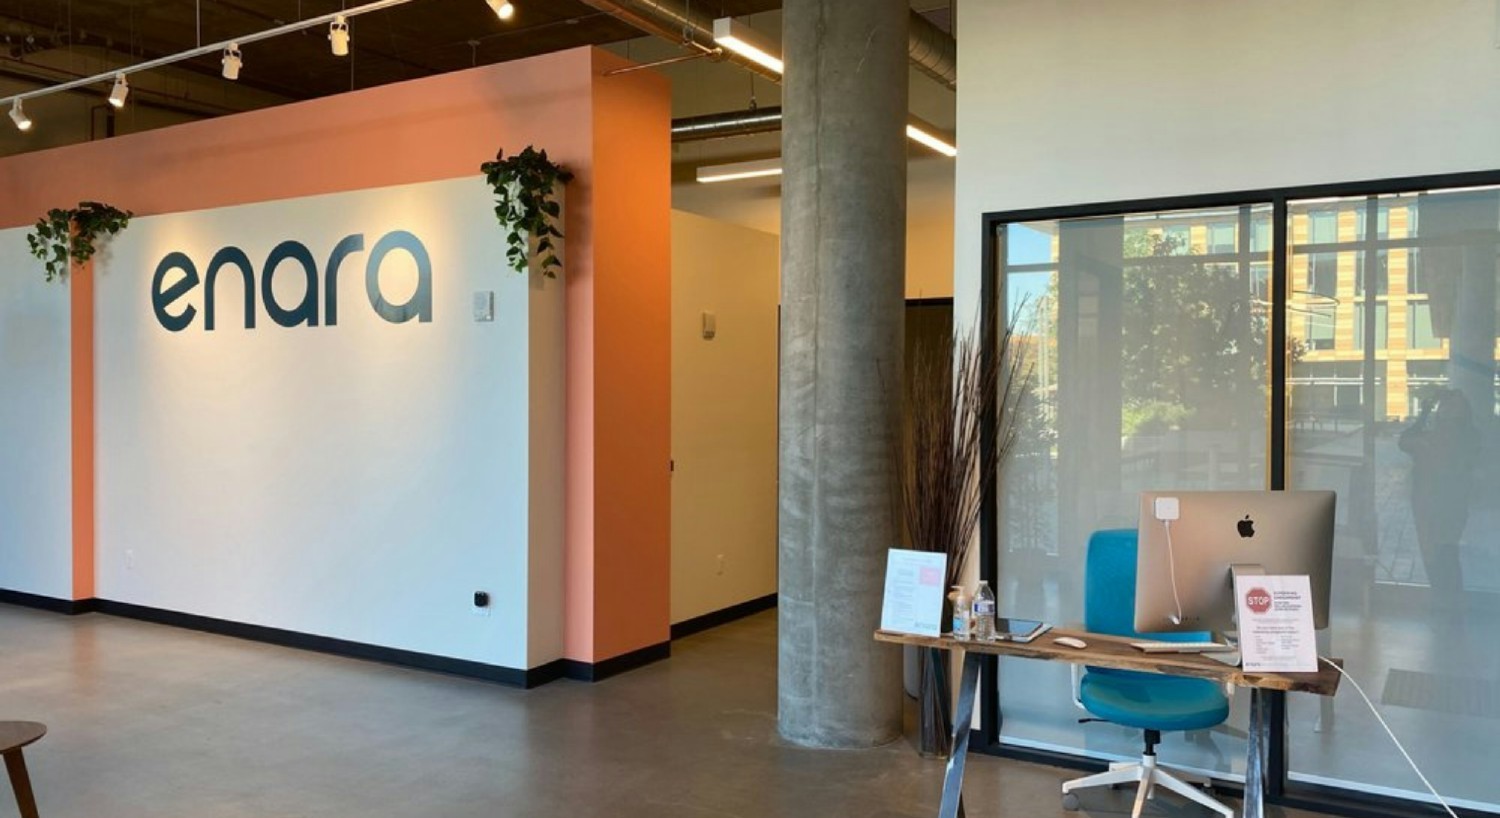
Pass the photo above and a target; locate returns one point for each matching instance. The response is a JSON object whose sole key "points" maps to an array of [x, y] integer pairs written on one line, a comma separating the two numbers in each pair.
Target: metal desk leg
{"points": [[963, 716], [1257, 745]]}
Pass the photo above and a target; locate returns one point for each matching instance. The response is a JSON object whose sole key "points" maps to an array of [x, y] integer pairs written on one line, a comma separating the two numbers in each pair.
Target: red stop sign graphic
{"points": [[1258, 600]]}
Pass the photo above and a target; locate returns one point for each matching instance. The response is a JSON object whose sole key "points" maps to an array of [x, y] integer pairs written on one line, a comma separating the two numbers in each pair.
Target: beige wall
{"points": [[756, 204], [723, 415]]}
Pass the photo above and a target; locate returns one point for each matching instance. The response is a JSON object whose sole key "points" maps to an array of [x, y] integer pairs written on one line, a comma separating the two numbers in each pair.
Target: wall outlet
{"points": [[130, 558], [1166, 509]]}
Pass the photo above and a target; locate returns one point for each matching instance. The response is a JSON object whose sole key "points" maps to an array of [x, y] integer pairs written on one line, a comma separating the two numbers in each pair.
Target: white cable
{"points": [[1394, 740], [1172, 568]]}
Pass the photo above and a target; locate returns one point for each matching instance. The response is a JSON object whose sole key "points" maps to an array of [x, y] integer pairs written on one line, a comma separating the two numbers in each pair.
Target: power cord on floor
{"points": [[1394, 740]]}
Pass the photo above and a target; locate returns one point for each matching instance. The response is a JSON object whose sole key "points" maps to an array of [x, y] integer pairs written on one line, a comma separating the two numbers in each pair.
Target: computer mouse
{"points": [[1070, 642]]}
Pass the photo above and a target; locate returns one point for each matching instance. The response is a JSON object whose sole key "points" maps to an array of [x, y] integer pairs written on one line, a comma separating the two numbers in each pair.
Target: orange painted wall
{"points": [[633, 362], [442, 127], [81, 384]]}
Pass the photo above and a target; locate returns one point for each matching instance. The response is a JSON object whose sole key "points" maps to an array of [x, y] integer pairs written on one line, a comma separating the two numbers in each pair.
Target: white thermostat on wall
{"points": [[484, 305]]}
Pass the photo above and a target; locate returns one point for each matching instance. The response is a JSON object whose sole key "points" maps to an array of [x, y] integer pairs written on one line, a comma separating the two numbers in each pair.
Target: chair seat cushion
{"points": [[1149, 701]]}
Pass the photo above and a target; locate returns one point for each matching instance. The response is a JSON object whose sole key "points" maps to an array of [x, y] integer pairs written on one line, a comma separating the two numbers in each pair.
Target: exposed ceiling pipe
{"points": [[732, 123], [932, 50], [672, 21]]}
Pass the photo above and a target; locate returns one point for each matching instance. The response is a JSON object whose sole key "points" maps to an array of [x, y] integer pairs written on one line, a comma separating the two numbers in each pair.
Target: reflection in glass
{"points": [[1398, 414], [1148, 333]]}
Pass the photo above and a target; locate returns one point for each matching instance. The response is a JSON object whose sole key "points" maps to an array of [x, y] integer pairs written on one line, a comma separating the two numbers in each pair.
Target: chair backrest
{"points": [[1109, 588]]}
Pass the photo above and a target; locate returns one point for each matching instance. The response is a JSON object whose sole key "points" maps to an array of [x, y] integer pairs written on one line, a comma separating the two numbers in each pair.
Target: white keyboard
{"points": [[1181, 647]]}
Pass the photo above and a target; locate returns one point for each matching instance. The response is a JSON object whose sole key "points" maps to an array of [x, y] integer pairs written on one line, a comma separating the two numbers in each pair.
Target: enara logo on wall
{"points": [[177, 317]]}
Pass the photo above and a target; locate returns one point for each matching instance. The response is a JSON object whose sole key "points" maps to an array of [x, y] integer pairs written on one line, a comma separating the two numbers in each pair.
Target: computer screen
{"points": [[1183, 564]]}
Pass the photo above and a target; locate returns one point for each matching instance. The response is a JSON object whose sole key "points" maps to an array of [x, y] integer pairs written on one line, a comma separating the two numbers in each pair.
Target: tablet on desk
{"points": [[1019, 630]]}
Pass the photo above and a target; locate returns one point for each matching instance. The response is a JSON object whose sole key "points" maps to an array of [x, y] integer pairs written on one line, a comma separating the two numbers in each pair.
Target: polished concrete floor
{"points": [[148, 720]]}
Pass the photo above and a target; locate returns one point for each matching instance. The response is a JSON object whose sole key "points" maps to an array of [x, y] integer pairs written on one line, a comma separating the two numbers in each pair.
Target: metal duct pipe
{"points": [[733, 123], [671, 21], [933, 50]]}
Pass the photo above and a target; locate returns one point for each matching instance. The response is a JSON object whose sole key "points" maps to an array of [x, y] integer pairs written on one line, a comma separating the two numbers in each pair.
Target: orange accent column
{"points": [[81, 317], [618, 566]]}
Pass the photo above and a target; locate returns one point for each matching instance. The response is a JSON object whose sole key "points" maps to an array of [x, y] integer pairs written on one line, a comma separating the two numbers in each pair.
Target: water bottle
{"points": [[961, 611], [984, 612]]}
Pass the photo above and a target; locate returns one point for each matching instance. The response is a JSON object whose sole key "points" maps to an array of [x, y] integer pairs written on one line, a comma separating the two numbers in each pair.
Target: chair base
{"points": [[1148, 776]]}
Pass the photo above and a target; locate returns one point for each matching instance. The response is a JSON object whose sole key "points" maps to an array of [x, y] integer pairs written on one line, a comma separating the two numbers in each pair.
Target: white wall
{"points": [[36, 522], [358, 481], [1074, 101], [723, 415]]}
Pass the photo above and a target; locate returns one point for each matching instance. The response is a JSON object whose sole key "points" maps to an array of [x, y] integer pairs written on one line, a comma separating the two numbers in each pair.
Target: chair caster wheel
{"points": [[1070, 802]]}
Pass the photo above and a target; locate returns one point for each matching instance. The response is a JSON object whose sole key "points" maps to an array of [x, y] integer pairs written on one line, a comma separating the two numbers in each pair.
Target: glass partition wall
{"points": [[1147, 334], [1392, 395], [1281, 341]]}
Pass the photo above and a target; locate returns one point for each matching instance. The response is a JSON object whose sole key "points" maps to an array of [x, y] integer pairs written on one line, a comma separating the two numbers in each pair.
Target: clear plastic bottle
{"points": [[984, 612], [961, 611]]}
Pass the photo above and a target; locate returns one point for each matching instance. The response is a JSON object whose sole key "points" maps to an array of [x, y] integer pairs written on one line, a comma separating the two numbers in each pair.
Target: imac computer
{"points": [[1190, 540]]}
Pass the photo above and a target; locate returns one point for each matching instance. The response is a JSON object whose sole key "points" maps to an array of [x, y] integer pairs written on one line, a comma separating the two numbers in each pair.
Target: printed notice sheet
{"points": [[913, 592], [1276, 624]]}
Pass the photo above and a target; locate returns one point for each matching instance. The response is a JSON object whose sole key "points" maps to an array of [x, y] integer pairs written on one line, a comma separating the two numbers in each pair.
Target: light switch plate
{"points": [[710, 326], [484, 306]]}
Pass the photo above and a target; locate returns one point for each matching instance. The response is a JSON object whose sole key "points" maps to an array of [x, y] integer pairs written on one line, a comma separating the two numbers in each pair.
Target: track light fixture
{"points": [[338, 36], [121, 90], [504, 10], [18, 116], [232, 61]]}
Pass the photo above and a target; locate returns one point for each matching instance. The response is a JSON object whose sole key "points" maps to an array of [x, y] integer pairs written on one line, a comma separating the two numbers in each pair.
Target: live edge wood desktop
{"points": [[1116, 652]]}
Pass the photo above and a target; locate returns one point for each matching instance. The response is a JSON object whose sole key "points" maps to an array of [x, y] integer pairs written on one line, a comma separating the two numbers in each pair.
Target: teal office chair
{"points": [[1148, 701]]}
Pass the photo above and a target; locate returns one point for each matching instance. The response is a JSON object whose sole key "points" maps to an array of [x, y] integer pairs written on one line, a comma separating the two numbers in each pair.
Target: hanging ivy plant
{"points": [[65, 237], [524, 184]]}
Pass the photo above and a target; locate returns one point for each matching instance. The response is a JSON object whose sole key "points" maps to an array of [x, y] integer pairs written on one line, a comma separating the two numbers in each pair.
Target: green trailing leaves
{"points": [[524, 185], [66, 237]]}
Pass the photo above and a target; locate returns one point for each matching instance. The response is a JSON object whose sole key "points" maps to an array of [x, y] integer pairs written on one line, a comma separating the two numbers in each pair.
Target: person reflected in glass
{"points": [[1443, 444]]}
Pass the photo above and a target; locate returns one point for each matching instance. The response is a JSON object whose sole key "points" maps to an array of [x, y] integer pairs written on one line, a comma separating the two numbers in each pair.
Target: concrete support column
{"points": [[843, 249]]}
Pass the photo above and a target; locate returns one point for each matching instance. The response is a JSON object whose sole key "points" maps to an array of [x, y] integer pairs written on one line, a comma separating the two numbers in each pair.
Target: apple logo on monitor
{"points": [[1246, 527]]}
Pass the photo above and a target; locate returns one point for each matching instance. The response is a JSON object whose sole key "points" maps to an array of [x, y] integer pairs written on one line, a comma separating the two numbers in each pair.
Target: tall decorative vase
{"points": [[935, 696], [934, 705]]}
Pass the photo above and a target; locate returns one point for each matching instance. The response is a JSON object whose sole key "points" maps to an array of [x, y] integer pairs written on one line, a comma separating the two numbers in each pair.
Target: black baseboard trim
{"points": [[71, 607], [599, 671], [511, 677], [698, 624]]}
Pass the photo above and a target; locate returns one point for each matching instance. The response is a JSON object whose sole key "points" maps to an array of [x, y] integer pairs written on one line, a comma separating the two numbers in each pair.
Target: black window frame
{"points": [[1280, 790]]}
